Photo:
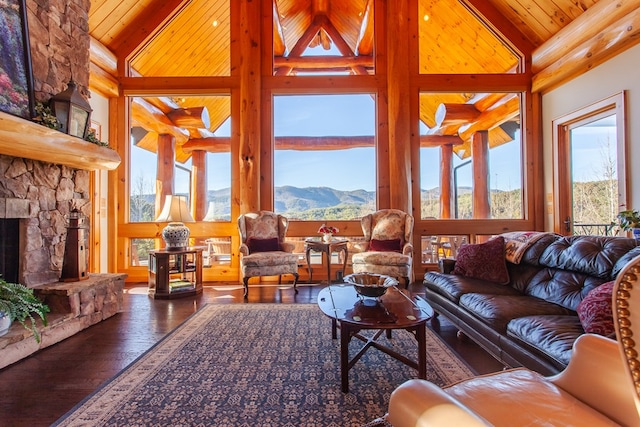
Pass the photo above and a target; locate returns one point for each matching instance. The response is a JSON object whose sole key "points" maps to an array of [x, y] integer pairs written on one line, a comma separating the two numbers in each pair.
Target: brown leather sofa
{"points": [[599, 387], [531, 321]]}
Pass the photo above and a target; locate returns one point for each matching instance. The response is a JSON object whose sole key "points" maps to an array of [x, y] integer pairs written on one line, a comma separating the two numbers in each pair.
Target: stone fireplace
{"points": [[40, 196]]}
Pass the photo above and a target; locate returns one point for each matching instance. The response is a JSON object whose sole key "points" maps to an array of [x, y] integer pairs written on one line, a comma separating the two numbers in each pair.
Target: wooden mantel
{"points": [[29, 140]]}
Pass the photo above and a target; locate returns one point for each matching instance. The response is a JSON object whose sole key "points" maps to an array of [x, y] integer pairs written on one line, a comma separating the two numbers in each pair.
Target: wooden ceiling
{"points": [[195, 41]]}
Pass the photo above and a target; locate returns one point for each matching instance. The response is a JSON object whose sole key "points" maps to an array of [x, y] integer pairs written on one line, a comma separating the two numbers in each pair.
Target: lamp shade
{"points": [[176, 212], [175, 209], [210, 215]]}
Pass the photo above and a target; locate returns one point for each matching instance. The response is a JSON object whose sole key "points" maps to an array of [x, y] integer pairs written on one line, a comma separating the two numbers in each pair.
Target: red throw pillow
{"points": [[595, 311], [392, 245], [483, 261], [263, 245]]}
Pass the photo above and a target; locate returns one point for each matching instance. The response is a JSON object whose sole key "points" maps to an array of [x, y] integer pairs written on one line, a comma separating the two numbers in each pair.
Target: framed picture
{"points": [[16, 76], [97, 129]]}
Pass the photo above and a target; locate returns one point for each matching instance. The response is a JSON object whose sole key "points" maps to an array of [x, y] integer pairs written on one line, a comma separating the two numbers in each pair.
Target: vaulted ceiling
{"points": [[195, 41]]}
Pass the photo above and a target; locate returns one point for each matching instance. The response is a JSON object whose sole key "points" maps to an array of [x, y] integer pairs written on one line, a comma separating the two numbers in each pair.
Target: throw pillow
{"points": [[263, 245], [392, 245], [483, 261], [595, 311]]}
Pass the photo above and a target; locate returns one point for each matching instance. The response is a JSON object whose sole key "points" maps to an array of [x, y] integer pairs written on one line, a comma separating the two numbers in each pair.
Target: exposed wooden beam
{"points": [[609, 42], [184, 86], [364, 46], [279, 45], [147, 24], [326, 62], [151, 118], [302, 43], [195, 117], [102, 82], [310, 143], [104, 58], [341, 44], [451, 114], [593, 21], [492, 118]]}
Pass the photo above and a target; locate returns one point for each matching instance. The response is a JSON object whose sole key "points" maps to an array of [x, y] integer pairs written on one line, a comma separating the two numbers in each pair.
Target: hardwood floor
{"points": [[39, 389]]}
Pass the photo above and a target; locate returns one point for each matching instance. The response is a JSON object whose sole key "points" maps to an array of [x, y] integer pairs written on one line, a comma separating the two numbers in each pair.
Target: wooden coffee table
{"points": [[396, 309]]}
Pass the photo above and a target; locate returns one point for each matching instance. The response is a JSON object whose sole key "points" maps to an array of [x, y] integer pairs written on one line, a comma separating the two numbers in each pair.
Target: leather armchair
{"points": [[263, 250], [596, 388], [383, 228]]}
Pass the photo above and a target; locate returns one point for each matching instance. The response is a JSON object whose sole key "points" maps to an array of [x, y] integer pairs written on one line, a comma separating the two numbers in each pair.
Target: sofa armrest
{"points": [[596, 375], [420, 403], [446, 265]]}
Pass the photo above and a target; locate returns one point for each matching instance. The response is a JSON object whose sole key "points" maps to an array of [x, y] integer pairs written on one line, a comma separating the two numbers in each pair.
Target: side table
{"points": [[318, 245]]}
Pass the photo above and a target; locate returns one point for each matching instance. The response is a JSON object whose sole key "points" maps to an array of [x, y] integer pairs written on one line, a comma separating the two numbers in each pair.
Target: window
{"points": [[590, 168], [324, 160], [452, 126]]}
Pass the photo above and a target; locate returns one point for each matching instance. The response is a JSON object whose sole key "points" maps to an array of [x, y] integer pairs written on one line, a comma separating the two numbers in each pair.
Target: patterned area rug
{"points": [[259, 364]]}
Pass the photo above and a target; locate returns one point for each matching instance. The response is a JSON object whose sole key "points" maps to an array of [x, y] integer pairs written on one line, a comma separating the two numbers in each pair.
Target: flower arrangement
{"points": [[327, 229]]}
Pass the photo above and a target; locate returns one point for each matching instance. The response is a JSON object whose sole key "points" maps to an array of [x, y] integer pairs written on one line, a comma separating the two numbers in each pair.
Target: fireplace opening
{"points": [[9, 249]]}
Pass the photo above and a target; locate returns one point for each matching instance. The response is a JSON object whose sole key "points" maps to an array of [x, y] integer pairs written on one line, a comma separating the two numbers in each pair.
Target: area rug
{"points": [[257, 364]]}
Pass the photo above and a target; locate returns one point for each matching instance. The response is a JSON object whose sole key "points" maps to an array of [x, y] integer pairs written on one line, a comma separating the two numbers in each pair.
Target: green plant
{"points": [[45, 117], [628, 219], [20, 303]]}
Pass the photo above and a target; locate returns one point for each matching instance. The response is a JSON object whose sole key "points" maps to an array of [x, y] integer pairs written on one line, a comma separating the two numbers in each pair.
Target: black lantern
{"points": [[72, 111]]}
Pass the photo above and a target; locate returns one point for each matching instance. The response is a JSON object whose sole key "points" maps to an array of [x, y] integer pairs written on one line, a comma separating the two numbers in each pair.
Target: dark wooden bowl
{"points": [[370, 284]]}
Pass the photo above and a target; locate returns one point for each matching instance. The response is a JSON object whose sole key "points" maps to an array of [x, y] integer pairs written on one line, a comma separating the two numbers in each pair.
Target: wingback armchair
{"points": [[263, 250], [388, 246], [600, 385]]}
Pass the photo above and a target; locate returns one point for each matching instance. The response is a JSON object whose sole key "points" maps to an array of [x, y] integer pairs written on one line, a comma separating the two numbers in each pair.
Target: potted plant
{"points": [[17, 302], [629, 220]]}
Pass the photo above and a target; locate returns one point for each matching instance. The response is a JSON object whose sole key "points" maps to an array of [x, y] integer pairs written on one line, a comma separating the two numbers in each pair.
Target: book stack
{"points": [[179, 285]]}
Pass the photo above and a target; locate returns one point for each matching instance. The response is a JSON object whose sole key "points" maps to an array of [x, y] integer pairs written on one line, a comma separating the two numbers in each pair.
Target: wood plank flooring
{"points": [[39, 389]]}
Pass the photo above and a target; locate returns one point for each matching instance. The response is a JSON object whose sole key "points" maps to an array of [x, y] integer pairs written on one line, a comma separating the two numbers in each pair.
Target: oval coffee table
{"points": [[396, 309]]}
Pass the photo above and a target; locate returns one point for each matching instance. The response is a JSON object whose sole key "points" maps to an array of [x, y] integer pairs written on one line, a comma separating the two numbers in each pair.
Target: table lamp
{"points": [[176, 212]]}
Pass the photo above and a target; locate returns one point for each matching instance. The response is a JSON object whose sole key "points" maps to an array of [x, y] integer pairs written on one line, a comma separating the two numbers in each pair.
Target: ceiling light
{"points": [[425, 18], [215, 22]]}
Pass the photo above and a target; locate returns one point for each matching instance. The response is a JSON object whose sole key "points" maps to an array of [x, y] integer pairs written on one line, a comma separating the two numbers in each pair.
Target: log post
{"points": [[249, 146], [199, 184], [446, 179], [164, 177], [480, 166], [398, 18]]}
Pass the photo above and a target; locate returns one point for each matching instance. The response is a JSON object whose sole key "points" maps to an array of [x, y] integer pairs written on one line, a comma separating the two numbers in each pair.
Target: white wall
{"points": [[100, 115], [614, 76]]}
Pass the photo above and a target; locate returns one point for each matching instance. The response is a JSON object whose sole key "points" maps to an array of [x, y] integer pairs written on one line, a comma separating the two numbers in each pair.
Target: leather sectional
{"points": [[532, 321]]}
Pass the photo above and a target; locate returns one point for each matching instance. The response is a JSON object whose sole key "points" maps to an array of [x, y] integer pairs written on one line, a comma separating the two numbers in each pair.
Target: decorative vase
{"points": [[636, 233], [5, 323], [326, 237]]}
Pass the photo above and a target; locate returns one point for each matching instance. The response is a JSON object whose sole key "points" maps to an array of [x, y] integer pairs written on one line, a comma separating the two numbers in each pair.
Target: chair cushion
{"points": [[263, 245], [483, 261], [391, 245], [381, 258], [270, 258], [595, 311]]}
